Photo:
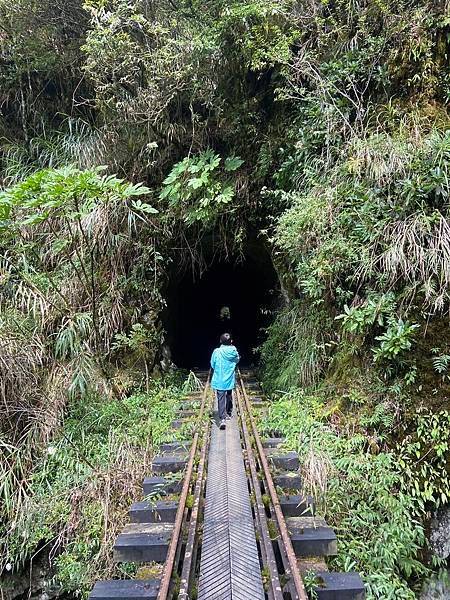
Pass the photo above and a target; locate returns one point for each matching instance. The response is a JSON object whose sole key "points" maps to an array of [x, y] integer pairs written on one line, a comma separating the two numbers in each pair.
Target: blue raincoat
{"points": [[224, 360]]}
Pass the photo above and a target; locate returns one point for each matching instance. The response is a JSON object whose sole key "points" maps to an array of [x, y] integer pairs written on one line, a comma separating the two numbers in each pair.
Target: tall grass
{"points": [[75, 142], [295, 351]]}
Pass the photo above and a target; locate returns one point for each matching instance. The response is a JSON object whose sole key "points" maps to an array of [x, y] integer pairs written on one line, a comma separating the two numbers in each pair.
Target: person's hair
{"points": [[225, 338]]}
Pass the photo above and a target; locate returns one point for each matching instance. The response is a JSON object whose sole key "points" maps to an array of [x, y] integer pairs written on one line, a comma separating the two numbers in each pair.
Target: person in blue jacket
{"points": [[223, 362]]}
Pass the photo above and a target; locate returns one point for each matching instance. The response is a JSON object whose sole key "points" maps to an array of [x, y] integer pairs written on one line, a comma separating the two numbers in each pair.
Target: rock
{"points": [[166, 359], [34, 584], [440, 533], [436, 589]]}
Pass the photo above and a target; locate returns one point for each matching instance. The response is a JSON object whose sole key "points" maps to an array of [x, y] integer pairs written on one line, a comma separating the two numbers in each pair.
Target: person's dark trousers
{"points": [[229, 402], [224, 403]]}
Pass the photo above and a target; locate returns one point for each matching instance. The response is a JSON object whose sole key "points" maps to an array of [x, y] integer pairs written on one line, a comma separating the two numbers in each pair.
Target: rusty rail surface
{"points": [[191, 543], [269, 555], [172, 550], [281, 523]]}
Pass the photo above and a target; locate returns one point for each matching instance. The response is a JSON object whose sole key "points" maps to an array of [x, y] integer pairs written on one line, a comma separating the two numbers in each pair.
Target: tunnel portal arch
{"points": [[237, 295]]}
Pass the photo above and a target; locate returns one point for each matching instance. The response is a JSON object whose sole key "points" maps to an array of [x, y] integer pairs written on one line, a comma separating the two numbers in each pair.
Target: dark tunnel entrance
{"points": [[234, 296]]}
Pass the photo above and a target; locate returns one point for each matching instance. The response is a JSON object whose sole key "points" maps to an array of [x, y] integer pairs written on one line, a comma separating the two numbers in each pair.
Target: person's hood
{"points": [[228, 351]]}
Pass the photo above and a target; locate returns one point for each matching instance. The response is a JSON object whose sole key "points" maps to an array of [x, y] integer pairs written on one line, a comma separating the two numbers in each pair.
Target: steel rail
{"points": [[189, 555], [277, 592], [297, 580], [172, 551]]}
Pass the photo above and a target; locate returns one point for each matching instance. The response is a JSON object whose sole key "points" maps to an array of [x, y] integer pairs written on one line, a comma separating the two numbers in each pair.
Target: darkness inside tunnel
{"points": [[231, 296]]}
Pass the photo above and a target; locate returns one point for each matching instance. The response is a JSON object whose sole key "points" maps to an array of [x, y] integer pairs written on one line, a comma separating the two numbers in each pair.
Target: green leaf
{"points": [[142, 206], [226, 196], [232, 163], [196, 183], [136, 190]]}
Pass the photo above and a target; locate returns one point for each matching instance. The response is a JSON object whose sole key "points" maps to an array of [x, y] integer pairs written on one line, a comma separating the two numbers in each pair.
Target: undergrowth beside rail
{"points": [[373, 499], [72, 505]]}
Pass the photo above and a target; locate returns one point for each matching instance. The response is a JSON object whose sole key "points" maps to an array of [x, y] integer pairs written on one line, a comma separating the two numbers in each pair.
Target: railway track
{"points": [[223, 516]]}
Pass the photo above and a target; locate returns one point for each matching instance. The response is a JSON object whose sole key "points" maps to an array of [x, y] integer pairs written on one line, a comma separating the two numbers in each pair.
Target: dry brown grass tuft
{"points": [[22, 354], [110, 490], [417, 250], [316, 472], [380, 159]]}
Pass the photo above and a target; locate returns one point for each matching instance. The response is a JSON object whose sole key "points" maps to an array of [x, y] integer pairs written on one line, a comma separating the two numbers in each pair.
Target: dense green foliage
{"points": [[142, 138], [82, 486], [374, 498]]}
